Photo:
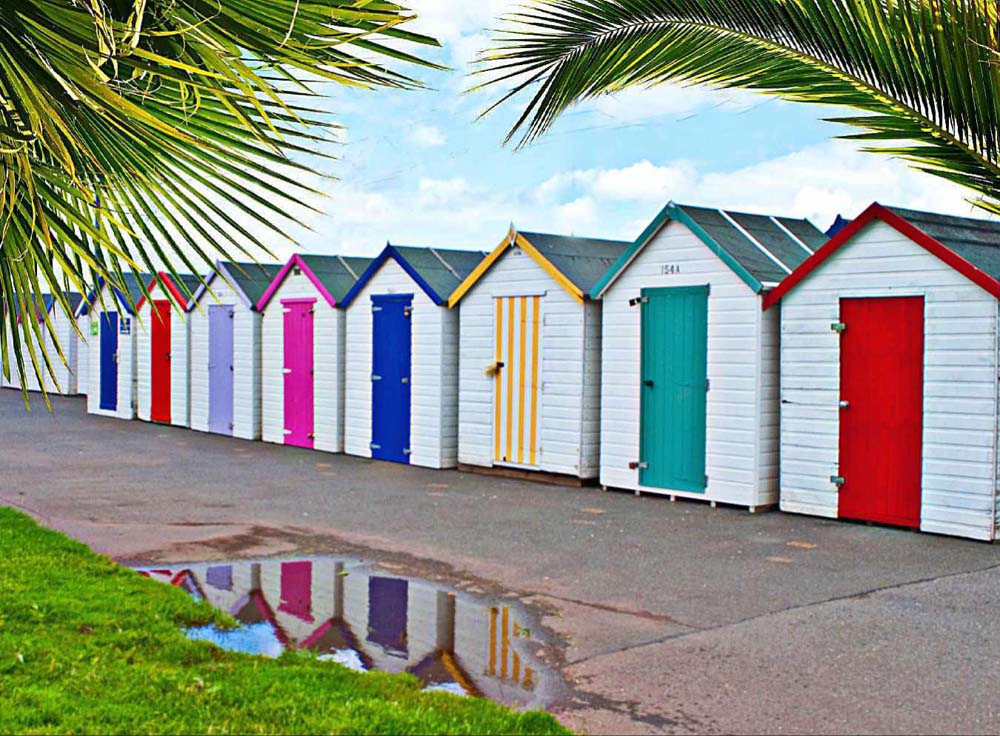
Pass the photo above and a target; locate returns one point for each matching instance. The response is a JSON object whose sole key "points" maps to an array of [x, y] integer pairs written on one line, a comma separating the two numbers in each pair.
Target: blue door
{"points": [[109, 361], [391, 353]]}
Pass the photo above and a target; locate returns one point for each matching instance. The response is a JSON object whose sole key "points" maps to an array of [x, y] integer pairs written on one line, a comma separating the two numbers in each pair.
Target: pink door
{"points": [[299, 427]]}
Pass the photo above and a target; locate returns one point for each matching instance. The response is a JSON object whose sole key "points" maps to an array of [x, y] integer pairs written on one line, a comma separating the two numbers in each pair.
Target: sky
{"points": [[419, 168]]}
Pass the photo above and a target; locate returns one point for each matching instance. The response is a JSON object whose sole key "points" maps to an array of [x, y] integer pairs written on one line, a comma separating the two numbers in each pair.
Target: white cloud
{"points": [[442, 192], [427, 136]]}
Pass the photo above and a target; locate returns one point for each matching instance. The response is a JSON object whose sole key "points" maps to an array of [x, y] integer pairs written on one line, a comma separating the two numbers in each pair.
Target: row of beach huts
{"points": [[749, 360]]}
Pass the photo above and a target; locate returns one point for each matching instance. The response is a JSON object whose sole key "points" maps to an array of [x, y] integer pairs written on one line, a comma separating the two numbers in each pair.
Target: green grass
{"points": [[87, 646]]}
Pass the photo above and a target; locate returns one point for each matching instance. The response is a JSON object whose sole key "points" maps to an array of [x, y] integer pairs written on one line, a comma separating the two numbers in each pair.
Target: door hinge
{"points": [[406, 379], [838, 327], [375, 446], [706, 481], [376, 308], [286, 432], [636, 465], [407, 452], [708, 384], [286, 371], [376, 377], [837, 480]]}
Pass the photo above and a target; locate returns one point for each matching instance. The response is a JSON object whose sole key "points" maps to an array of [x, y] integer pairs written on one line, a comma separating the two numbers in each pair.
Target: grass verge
{"points": [[87, 646]]}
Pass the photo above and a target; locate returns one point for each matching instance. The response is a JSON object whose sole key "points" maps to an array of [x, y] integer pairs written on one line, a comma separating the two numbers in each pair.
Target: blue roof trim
{"points": [[207, 282], [676, 213], [390, 252], [92, 296]]}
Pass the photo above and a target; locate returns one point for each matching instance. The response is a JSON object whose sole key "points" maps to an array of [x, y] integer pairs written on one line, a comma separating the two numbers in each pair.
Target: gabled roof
{"points": [[45, 302], [970, 246], [437, 272], [574, 263], [333, 276], [250, 280], [761, 249], [190, 283], [132, 294]]}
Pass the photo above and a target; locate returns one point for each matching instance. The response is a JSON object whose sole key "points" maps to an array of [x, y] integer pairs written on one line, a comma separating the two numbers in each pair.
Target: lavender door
{"points": [[220, 369], [299, 371]]}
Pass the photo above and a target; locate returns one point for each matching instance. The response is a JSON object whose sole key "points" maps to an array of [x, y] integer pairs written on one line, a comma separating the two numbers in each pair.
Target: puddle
{"points": [[348, 612]]}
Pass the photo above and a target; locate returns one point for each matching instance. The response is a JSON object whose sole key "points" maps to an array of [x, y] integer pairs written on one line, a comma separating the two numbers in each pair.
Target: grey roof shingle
{"points": [[976, 241], [336, 273], [582, 260], [442, 270]]}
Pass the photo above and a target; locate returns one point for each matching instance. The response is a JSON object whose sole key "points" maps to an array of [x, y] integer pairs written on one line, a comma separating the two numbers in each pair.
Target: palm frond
{"points": [[141, 131], [922, 74]]}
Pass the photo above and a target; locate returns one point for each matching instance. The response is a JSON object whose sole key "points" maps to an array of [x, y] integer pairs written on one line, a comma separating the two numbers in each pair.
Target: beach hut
{"points": [[689, 377], [112, 350], [302, 354], [530, 355], [401, 389], [162, 350], [889, 372], [59, 329], [225, 349]]}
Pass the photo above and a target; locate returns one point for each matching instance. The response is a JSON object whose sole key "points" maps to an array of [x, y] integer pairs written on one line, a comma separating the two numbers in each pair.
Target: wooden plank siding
{"points": [[564, 423], [433, 441], [246, 362], [329, 366], [66, 374], [960, 381], [741, 422]]}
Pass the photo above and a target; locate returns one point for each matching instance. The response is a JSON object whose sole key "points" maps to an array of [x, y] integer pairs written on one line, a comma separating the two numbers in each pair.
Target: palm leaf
{"points": [[134, 132], [922, 74]]}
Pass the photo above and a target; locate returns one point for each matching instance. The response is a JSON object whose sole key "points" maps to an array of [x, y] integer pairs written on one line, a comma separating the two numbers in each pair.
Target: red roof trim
{"points": [[878, 212], [171, 286]]}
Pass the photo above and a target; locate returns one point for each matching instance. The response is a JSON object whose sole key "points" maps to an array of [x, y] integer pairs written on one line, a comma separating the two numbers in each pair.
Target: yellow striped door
{"points": [[517, 399]]}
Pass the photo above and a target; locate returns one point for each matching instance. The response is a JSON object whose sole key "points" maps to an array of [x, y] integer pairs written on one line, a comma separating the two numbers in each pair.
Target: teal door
{"points": [[674, 388]]}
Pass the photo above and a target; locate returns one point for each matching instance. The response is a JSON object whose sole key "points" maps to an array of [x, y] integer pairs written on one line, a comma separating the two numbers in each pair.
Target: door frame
{"points": [[644, 295], [539, 395]]}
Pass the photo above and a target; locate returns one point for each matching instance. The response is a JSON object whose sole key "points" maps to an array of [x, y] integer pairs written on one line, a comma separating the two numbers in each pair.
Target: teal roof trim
{"points": [[676, 213]]}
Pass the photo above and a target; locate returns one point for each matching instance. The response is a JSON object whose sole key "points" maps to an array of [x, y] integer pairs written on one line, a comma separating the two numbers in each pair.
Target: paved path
{"points": [[667, 617]]}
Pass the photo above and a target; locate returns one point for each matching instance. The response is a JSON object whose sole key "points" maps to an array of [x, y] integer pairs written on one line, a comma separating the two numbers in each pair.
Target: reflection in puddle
{"points": [[348, 614]]}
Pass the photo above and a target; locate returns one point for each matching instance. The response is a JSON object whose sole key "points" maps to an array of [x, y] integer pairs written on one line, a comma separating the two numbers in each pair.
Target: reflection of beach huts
{"points": [[401, 388], [366, 622], [112, 349], [689, 386], [59, 329], [302, 353], [225, 350], [162, 350], [530, 355]]}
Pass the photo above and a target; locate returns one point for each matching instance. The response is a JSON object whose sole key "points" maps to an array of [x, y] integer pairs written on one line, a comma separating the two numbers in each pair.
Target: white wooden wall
{"points": [[741, 441], [564, 359], [434, 394], [246, 362], [127, 368], [65, 372], [960, 381], [83, 355], [179, 363], [328, 341]]}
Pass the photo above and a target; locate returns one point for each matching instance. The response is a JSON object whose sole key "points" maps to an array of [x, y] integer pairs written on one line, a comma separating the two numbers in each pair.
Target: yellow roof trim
{"points": [[514, 237]]}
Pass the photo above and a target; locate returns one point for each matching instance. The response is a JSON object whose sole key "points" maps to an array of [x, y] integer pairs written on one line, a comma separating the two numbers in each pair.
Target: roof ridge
{"points": [[445, 263], [760, 246]]}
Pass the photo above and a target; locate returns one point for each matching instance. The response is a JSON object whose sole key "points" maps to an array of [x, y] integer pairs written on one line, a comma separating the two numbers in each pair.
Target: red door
{"points": [[882, 407], [159, 362]]}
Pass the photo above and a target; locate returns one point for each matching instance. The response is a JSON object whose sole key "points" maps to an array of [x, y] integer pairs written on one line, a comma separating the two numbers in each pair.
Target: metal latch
{"points": [[311, 435], [837, 480], [376, 377], [407, 311], [638, 300], [406, 451], [838, 327], [636, 465], [406, 379], [647, 383]]}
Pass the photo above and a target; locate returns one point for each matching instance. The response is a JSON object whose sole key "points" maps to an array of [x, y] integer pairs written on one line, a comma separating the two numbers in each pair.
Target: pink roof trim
{"points": [[294, 261]]}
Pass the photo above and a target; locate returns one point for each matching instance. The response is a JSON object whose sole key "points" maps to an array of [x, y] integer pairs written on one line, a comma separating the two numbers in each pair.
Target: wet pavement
{"points": [[348, 611], [658, 617]]}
